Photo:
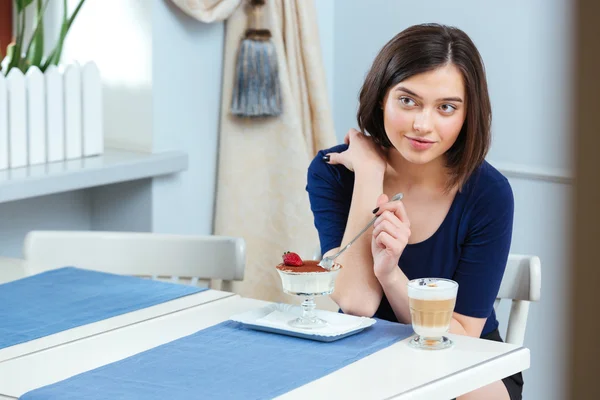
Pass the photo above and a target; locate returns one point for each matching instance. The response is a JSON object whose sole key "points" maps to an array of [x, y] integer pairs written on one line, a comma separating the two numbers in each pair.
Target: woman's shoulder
{"points": [[318, 160], [334, 174], [487, 178], [489, 186]]}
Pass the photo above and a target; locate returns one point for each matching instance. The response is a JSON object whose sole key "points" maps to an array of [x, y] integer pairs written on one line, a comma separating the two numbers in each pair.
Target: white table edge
{"points": [[416, 392], [110, 324]]}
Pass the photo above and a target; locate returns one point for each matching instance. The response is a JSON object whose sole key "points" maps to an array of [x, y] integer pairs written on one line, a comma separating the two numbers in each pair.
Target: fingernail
{"points": [[326, 158], [375, 210]]}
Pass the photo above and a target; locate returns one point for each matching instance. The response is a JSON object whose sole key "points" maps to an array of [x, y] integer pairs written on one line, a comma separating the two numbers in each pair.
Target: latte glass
{"points": [[431, 302]]}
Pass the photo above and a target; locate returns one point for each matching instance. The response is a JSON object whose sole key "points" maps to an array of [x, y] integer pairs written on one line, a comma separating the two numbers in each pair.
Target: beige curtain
{"points": [[208, 10], [263, 162]]}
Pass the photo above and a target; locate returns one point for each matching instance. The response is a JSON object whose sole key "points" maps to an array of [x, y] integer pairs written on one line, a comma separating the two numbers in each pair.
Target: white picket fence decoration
{"points": [[36, 116], [3, 123], [17, 119], [55, 114], [51, 116], [73, 125], [91, 92]]}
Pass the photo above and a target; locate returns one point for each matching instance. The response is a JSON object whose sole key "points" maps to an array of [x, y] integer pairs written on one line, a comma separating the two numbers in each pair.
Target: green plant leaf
{"points": [[77, 9], [35, 50], [16, 55], [54, 57], [22, 4]]}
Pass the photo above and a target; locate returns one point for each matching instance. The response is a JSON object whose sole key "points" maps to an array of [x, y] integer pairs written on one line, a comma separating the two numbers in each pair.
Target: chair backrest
{"points": [[138, 254], [522, 283]]}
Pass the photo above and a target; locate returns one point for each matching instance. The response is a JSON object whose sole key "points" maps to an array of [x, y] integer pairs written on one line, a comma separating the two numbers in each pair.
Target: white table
{"points": [[13, 269], [397, 371]]}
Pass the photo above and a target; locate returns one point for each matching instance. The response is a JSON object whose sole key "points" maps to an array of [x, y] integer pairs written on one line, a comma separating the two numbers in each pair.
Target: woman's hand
{"points": [[390, 236], [362, 154]]}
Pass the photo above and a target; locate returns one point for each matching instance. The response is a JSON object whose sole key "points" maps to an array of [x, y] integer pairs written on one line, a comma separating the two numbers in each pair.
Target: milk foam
{"points": [[443, 289]]}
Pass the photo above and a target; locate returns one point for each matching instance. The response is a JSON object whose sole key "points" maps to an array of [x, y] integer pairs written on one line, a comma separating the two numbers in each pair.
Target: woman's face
{"points": [[423, 115]]}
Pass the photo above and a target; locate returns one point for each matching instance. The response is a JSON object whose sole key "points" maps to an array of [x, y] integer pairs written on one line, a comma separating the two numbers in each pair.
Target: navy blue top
{"points": [[471, 245]]}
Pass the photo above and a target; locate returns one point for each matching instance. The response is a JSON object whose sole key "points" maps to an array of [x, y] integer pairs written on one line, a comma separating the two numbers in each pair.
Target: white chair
{"points": [[522, 283], [137, 254]]}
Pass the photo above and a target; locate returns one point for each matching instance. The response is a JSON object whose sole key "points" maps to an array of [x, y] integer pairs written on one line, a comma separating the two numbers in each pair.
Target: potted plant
{"points": [[51, 111]]}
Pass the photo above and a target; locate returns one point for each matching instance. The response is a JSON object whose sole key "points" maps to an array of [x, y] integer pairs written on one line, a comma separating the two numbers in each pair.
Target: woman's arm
{"points": [[357, 290]]}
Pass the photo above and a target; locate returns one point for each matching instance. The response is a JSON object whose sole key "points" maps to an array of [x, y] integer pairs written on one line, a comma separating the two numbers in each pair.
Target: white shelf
{"points": [[113, 166]]}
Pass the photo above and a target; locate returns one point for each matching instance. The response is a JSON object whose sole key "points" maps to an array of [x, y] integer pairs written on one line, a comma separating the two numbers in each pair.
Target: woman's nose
{"points": [[423, 122]]}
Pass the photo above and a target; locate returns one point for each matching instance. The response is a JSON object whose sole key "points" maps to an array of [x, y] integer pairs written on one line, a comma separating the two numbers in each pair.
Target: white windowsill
{"points": [[113, 166]]}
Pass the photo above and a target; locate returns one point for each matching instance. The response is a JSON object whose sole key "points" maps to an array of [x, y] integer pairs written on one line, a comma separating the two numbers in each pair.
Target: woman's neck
{"points": [[406, 175]]}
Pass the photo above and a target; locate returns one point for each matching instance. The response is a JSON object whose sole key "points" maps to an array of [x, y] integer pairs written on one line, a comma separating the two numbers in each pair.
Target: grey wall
{"points": [[525, 46], [60, 211]]}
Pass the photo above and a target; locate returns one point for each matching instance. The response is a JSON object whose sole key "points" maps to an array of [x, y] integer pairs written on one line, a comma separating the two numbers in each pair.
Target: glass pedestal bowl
{"points": [[308, 285]]}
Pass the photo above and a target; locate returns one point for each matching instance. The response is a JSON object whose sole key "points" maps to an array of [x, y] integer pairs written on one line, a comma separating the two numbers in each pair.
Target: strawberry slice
{"points": [[292, 259]]}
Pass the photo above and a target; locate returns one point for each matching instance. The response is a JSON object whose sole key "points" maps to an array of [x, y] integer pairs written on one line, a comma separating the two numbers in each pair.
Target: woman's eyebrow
{"points": [[403, 89]]}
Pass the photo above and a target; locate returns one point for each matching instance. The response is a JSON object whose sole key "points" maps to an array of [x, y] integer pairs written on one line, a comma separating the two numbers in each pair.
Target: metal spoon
{"points": [[327, 262]]}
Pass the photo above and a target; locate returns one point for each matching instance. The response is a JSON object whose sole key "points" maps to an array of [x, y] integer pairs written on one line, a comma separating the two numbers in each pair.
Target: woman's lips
{"points": [[420, 144]]}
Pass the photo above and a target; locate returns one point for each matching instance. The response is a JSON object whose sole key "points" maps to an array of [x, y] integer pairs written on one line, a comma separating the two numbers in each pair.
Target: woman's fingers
{"points": [[332, 158], [350, 135], [385, 241], [395, 207], [382, 199], [391, 230], [388, 216], [347, 138], [389, 227], [397, 230]]}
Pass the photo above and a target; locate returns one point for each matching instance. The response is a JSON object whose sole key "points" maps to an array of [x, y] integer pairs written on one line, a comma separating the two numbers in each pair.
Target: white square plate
{"points": [[273, 318]]}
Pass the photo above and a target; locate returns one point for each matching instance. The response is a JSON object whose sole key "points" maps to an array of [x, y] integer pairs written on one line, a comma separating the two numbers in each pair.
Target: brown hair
{"points": [[422, 48]]}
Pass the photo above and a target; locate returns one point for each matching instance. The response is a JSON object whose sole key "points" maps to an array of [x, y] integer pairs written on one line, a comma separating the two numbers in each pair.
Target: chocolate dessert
{"points": [[307, 266], [305, 277], [293, 263]]}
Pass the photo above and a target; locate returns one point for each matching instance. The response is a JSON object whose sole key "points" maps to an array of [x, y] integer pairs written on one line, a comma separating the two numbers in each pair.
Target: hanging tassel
{"points": [[256, 91]]}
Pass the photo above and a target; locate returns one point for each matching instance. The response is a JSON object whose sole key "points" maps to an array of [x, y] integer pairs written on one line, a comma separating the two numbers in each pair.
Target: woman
{"points": [[426, 109]]}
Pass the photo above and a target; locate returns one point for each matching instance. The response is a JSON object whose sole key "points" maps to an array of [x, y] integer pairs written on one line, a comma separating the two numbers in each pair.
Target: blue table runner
{"points": [[226, 361], [64, 298]]}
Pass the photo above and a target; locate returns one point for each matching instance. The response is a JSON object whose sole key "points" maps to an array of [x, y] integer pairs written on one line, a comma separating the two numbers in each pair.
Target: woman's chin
{"points": [[421, 157]]}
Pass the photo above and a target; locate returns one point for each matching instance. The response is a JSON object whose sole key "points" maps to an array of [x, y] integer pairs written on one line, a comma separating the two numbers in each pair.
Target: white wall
{"points": [[187, 64], [118, 36], [161, 71], [525, 46], [161, 75]]}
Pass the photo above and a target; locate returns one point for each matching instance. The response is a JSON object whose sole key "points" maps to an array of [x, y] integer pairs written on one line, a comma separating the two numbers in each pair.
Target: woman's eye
{"points": [[407, 101], [447, 108]]}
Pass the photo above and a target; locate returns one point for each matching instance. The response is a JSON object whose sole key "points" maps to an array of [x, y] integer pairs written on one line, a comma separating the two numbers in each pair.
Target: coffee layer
{"points": [[431, 313]]}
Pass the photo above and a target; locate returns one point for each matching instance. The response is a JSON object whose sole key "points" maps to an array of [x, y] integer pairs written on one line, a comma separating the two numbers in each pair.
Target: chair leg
{"points": [[216, 284], [517, 322]]}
